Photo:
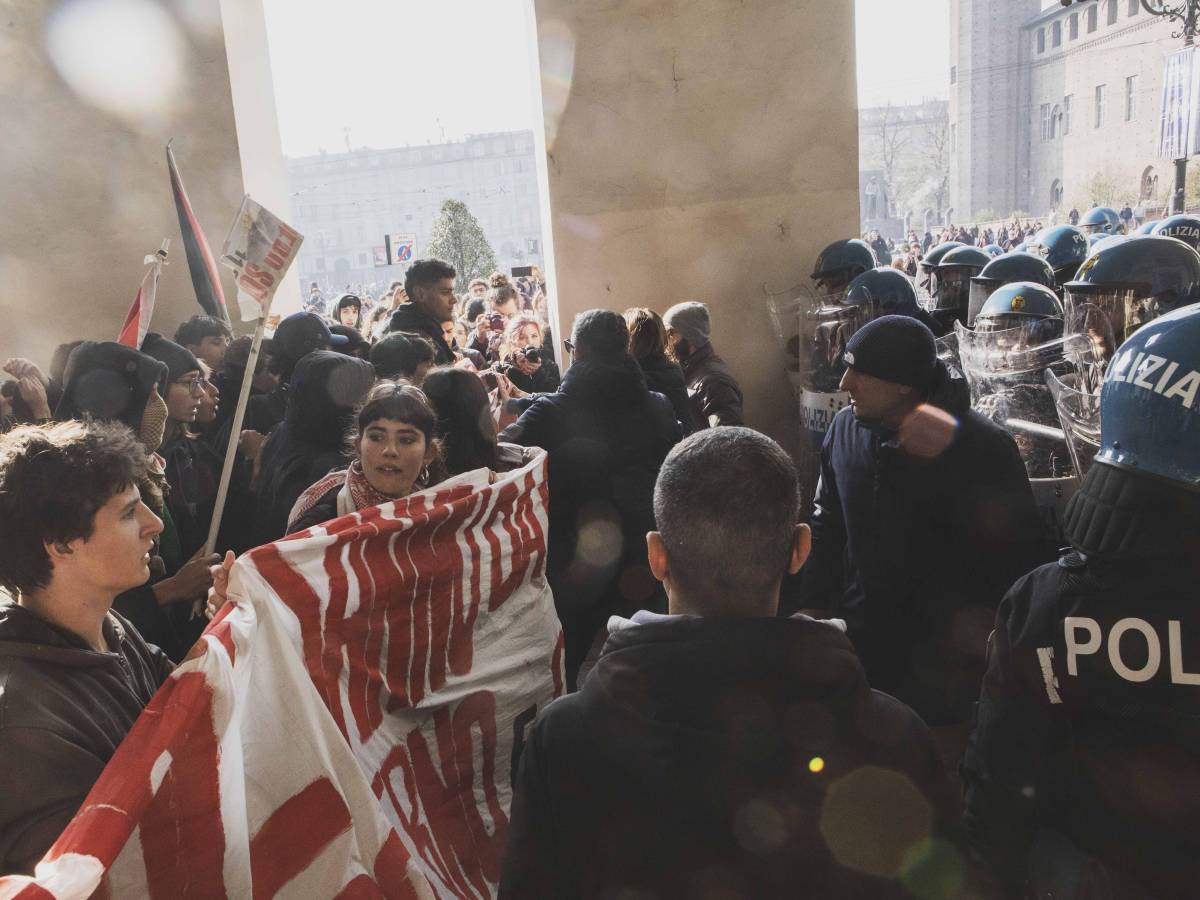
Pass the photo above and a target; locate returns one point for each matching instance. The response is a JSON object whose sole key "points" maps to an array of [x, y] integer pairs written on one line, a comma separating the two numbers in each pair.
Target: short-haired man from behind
{"points": [[714, 391], [429, 284], [720, 747], [73, 674]]}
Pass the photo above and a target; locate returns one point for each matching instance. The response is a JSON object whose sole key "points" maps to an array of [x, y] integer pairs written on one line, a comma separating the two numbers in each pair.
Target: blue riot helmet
{"points": [[1182, 227], [1101, 220], [1150, 420], [955, 270], [1024, 304], [927, 270], [840, 263], [1064, 247], [1123, 286], [886, 291], [994, 250], [1148, 227], [1107, 240], [1005, 270]]}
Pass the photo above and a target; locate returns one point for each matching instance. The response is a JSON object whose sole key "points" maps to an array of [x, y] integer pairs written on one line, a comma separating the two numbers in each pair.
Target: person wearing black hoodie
{"points": [[312, 441], [74, 675], [429, 284], [923, 519], [720, 751], [606, 434], [1081, 772], [648, 345]]}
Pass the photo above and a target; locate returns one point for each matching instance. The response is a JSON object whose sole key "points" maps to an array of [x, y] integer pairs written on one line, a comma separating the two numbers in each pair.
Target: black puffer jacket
{"points": [[666, 377], [607, 436], [748, 753], [413, 318], [916, 553], [1081, 773], [64, 708], [311, 442], [713, 389]]}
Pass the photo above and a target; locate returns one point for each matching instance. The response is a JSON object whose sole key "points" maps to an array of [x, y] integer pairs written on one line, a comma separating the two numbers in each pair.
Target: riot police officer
{"points": [[839, 264], [885, 292], [1065, 248], [1101, 220], [1006, 269], [952, 291], [1081, 774], [927, 270]]}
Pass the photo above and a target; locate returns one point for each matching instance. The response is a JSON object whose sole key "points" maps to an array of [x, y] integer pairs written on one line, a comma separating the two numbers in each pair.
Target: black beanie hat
{"points": [[898, 349], [179, 360], [109, 381]]}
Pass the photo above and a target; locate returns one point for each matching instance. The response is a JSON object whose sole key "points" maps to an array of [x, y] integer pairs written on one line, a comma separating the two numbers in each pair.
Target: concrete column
{"points": [[700, 150], [85, 192]]}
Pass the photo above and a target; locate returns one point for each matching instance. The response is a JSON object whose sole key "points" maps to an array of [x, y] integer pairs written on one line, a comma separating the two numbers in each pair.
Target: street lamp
{"points": [[1186, 13]]}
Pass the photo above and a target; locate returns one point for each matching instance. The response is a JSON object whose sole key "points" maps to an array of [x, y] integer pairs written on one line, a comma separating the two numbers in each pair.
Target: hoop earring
{"points": [[423, 478]]}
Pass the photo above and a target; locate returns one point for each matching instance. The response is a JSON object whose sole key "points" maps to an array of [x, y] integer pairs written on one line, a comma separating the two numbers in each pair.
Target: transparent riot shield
{"points": [[981, 289], [1079, 414]]}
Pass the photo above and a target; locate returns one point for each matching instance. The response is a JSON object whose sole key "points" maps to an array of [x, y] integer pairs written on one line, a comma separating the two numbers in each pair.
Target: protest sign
{"points": [[259, 249]]}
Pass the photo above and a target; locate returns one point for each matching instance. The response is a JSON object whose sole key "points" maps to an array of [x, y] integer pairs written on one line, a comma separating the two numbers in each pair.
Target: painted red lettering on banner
{"points": [[295, 834], [461, 849], [392, 870]]}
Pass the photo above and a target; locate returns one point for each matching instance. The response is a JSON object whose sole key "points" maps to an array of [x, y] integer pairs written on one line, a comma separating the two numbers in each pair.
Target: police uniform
{"points": [[1083, 770]]}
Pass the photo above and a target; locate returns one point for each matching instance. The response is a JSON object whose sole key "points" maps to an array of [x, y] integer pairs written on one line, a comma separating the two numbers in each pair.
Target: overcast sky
{"points": [[398, 72]]}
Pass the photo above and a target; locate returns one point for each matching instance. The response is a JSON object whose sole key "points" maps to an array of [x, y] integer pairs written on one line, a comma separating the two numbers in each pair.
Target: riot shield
{"points": [[1079, 414], [1107, 316]]}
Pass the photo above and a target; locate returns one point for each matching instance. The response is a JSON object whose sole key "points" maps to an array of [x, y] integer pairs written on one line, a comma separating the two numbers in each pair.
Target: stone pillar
{"points": [[700, 150], [85, 191]]}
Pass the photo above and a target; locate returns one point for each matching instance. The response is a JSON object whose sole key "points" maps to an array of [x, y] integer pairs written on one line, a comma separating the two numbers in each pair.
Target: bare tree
{"points": [[893, 137]]}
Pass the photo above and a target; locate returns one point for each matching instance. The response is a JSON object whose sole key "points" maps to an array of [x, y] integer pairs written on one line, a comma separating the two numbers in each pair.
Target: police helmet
{"points": [[1005, 270], [1148, 227], [1021, 304], [994, 250], [1149, 417], [1022, 247], [886, 291], [843, 261], [930, 260], [955, 270], [1182, 227], [1064, 247], [1131, 283], [1101, 220]]}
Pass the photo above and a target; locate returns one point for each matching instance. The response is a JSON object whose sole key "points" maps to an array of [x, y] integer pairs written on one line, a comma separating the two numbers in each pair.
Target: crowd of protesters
{"points": [[704, 726], [905, 254]]}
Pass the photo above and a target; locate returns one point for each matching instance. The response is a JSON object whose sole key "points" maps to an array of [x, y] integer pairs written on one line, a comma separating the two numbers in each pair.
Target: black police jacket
{"points": [[916, 553], [1082, 774]]}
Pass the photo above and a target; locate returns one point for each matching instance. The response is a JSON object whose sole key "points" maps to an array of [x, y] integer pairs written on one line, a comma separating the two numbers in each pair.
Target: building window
{"points": [[1056, 121], [1133, 7], [1131, 98], [1056, 194], [1066, 122], [953, 138], [1041, 40], [1045, 121], [954, 74], [1099, 112], [1073, 26], [1093, 19], [1112, 12], [1056, 34]]}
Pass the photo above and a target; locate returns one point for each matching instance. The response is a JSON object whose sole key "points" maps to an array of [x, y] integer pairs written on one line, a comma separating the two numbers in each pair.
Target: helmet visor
{"points": [[981, 289], [814, 329], [1107, 316], [1079, 414], [952, 290]]}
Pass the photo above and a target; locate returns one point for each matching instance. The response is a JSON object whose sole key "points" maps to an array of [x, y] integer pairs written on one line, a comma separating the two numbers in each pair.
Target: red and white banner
{"points": [[351, 727], [137, 320]]}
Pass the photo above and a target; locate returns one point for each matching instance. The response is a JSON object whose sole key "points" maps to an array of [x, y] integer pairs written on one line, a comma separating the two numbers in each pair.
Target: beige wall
{"points": [[85, 194], [704, 149]]}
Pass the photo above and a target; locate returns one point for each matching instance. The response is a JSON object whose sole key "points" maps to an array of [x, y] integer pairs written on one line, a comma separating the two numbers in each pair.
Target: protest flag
{"points": [[206, 280], [137, 321], [350, 726]]}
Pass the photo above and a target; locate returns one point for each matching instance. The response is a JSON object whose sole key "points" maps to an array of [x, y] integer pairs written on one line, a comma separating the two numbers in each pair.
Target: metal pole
{"points": [[1177, 193]]}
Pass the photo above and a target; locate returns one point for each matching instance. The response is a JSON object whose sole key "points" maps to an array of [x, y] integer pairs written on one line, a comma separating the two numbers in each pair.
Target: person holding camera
{"points": [[524, 362]]}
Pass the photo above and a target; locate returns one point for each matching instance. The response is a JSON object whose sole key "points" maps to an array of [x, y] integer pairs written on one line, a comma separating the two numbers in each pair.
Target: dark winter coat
{"points": [[265, 411], [714, 391], [916, 553], [743, 753], [413, 318], [193, 472], [64, 708], [607, 436], [311, 442], [666, 377], [544, 381]]}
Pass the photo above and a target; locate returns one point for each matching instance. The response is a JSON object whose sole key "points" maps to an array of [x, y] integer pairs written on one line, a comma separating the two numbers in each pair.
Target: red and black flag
{"points": [[206, 281]]}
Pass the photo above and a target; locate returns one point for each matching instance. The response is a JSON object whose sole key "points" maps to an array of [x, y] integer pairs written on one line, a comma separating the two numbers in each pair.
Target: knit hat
{"points": [[109, 381], [898, 349], [179, 360], [691, 321]]}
